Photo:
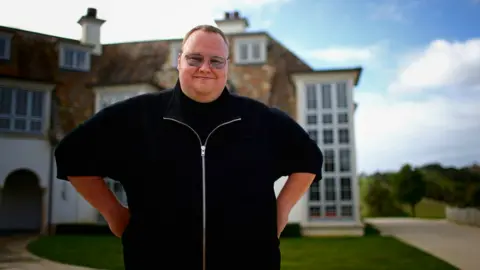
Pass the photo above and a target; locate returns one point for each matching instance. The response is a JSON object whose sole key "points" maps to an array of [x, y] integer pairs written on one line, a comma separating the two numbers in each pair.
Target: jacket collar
{"points": [[174, 106]]}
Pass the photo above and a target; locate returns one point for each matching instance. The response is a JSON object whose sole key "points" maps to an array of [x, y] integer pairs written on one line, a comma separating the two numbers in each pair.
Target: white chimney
{"points": [[91, 30], [232, 23]]}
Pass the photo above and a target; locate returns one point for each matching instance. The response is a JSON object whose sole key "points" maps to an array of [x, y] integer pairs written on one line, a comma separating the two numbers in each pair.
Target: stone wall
{"points": [[467, 216]]}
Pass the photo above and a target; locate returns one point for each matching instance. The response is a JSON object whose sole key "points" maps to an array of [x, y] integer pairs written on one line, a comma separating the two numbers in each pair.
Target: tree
{"points": [[409, 187]]}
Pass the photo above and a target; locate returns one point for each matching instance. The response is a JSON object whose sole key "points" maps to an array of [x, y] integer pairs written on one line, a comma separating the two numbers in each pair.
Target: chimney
{"points": [[91, 30], [232, 23]]}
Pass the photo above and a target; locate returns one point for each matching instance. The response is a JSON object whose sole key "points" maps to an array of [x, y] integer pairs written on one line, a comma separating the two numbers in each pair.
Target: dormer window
{"points": [[250, 50], [5, 45], [74, 57]]}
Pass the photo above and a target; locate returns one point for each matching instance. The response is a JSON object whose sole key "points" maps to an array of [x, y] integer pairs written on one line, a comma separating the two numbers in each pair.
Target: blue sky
{"points": [[419, 96]]}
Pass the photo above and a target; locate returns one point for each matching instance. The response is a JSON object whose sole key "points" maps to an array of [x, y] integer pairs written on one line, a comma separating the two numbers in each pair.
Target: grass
{"points": [[371, 252], [427, 208]]}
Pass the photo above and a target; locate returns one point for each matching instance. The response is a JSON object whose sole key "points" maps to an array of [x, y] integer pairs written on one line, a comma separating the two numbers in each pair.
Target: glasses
{"points": [[196, 60]]}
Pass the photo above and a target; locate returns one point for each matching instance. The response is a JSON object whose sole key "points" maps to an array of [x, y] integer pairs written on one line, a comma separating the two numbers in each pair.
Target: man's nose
{"points": [[205, 65]]}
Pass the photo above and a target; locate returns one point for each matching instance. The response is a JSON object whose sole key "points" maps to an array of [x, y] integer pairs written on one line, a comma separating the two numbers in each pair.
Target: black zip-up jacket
{"points": [[196, 202]]}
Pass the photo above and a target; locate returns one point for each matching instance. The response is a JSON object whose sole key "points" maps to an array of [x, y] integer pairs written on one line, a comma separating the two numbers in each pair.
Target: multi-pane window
{"points": [[327, 118], [343, 118], [329, 160], [330, 189], [250, 51], [312, 119], [346, 211], [311, 97], [345, 189], [326, 96], [342, 95], [22, 110], [344, 156], [327, 136], [74, 58], [314, 192], [343, 137]]}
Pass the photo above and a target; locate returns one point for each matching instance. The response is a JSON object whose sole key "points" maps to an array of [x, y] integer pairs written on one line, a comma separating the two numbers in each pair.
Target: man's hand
{"points": [[118, 219]]}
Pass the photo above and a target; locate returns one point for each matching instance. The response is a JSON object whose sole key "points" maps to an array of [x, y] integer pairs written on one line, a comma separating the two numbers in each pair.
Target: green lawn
{"points": [[427, 208], [365, 253]]}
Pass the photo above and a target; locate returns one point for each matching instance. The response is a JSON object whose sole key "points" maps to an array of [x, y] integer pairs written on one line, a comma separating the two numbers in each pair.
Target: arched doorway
{"points": [[21, 203]]}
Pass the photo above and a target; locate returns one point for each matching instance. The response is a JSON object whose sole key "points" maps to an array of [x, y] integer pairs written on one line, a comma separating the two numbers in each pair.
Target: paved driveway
{"points": [[456, 244], [13, 256]]}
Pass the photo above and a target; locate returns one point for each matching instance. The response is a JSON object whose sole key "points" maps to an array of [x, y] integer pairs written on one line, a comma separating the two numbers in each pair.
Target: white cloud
{"points": [[342, 54], [392, 10], [395, 127], [125, 21], [441, 64]]}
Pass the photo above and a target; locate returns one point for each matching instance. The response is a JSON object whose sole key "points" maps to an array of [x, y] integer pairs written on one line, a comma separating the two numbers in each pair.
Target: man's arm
{"points": [[96, 192], [296, 185]]}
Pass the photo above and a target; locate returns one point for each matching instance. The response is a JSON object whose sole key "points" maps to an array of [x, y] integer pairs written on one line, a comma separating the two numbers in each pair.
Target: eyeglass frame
{"points": [[223, 61]]}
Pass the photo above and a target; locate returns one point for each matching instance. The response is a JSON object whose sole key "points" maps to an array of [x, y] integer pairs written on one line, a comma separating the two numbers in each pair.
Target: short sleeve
{"points": [[296, 151], [92, 147]]}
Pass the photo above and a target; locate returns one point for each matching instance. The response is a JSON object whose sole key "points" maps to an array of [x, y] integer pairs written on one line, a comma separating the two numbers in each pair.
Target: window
{"points": [[326, 96], [342, 95], [330, 194], [315, 211], [313, 135], [344, 160], [327, 118], [327, 136], [329, 160], [74, 58], [250, 50], [331, 211], [343, 118], [21, 110], [175, 49], [345, 189], [314, 192], [312, 119], [5, 45], [343, 137], [346, 211], [311, 97]]}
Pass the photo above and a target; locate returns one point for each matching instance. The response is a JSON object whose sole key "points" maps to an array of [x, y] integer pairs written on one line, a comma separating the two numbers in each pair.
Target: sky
{"points": [[419, 94]]}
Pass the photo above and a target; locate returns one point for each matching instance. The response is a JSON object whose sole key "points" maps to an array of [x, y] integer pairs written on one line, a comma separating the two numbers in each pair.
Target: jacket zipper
{"points": [[203, 148]]}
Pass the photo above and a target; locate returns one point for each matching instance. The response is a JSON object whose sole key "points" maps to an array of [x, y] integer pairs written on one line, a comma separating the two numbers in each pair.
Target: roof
{"points": [[356, 70]]}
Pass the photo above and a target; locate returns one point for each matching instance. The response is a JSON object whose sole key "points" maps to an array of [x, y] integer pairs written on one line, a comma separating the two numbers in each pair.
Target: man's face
{"points": [[203, 66]]}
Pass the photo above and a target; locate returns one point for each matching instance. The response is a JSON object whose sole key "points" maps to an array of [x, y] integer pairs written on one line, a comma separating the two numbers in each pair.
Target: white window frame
{"points": [[77, 49], [30, 87], [249, 42], [6, 54]]}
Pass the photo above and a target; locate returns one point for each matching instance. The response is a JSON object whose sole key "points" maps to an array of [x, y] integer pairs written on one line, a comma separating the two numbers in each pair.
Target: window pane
{"points": [[37, 103], [344, 160], [20, 124], [330, 211], [327, 136], [327, 118], [311, 96], [244, 51], [6, 100], [35, 125], [21, 102], [68, 56], [330, 189], [312, 119], [326, 96], [342, 118], [3, 47], [329, 160], [4, 123], [80, 59], [315, 211], [341, 95], [256, 51], [347, 211], [315, 192], [343, 136], [345, 189]]}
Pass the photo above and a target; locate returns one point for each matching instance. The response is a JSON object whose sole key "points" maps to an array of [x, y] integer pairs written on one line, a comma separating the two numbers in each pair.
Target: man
{"points": [[198, 166]]}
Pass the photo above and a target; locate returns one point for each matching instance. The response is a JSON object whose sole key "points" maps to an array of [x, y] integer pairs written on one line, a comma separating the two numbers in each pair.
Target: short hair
{"points": [[205, 28]]}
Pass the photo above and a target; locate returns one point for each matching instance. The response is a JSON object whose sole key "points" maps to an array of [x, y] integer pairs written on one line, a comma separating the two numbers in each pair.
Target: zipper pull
{"points": [[203, 150]]}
